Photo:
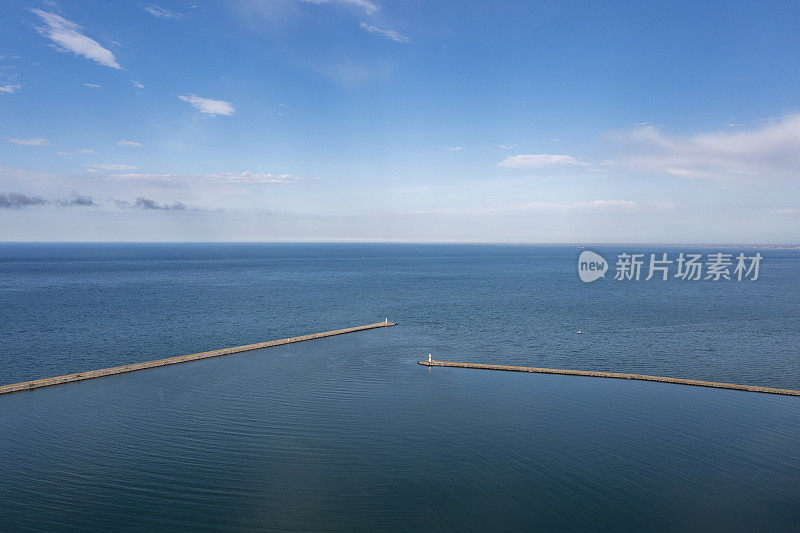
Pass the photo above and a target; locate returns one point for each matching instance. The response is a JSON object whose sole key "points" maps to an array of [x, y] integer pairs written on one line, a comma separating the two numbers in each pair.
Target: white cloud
{"points": [[10, 88], [138, 85], [454, 148], [131, 144], [247, 177], [30, 142], [770, 151], [367, 6], [389, 34], [95, 167], [67, 37], [93, 85], [160, 12], [507, 146], [208, 105], [541, 160]]}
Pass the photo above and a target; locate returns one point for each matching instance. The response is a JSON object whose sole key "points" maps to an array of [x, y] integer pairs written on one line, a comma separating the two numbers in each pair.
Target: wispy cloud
{"points": [[389, 34], [81, 151], [131, 144], [160, 12], [246, 177], [68, 37], [93, 85], [209, 106], [570, 208], [30, 142], [15, 200], [367, 6], [454, 148], [352, 74], [769, 151], [592, 205], [256, 177], [541, 160], [10, 88], [507, 146], [96, 167], [138, 85], [604, 204]]}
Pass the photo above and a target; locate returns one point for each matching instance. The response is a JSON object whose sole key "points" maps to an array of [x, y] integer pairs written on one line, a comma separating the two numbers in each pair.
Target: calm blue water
{"points": [[350, 433]]}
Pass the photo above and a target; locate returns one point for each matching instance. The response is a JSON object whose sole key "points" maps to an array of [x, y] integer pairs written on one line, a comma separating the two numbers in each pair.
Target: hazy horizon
{"points": [[762, 245]]}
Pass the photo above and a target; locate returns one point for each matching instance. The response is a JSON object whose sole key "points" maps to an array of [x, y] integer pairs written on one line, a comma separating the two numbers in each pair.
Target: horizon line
{"points": [[444, 242]]}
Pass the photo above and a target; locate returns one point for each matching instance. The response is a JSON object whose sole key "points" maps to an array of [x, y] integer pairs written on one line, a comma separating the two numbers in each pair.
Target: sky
{"points": [[378, 120]]}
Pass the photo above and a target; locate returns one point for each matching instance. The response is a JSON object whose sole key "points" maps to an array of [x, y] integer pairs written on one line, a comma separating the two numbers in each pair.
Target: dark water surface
{"points": [[350, 433]]}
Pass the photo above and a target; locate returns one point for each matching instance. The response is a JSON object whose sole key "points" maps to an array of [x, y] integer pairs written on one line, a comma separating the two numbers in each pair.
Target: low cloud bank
{"points": [[15, 200], [151, 205], [77, 200]]}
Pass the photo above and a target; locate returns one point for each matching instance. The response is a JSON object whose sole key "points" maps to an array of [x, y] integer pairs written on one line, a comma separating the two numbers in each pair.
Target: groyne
{"points": [[80, 376], [615, 375]]}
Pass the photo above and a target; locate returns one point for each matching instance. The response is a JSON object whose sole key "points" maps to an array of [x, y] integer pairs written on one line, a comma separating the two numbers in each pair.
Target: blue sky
{"points": [[411, 121]]}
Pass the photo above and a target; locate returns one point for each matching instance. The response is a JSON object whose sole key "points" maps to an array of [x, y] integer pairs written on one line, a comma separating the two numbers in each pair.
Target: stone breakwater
{"points": [[80, 376], [616, 375]]}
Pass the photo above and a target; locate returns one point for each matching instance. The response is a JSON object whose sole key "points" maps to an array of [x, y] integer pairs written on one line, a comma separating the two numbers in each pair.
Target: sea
{"points": [[349, 433]]}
